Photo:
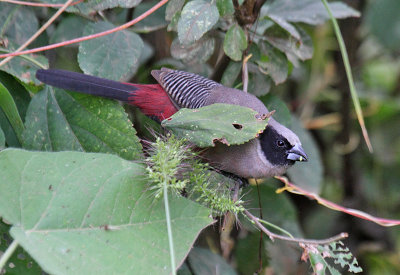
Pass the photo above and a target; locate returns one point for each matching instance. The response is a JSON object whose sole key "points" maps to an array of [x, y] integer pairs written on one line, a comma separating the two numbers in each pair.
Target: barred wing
{"points": [[187, 90]]}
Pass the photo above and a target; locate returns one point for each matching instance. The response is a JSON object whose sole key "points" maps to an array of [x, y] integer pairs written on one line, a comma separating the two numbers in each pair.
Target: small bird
{"points": [[269, 154]]}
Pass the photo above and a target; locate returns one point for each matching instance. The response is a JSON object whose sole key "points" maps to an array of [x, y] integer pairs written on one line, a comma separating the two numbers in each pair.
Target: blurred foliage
{"points": [[294, 68]]}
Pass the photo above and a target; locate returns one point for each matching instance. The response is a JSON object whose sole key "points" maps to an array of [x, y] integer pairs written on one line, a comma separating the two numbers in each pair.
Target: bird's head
{"points": [[281, 146]]}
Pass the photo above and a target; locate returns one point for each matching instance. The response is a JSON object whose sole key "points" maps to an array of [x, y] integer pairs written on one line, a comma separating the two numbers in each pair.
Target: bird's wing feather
{"points": [[187, 90]]}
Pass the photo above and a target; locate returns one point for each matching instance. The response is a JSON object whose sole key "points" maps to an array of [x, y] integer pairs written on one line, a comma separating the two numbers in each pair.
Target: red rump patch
{"points": [[152, 100]]}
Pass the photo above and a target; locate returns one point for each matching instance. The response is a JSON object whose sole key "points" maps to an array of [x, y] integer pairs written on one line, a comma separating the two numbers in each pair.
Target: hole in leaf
{"points": [[237, 126]]}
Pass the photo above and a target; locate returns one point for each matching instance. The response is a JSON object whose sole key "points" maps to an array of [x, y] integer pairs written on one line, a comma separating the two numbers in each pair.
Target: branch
{"points": [[290, 187], [84, 38], [34, 4], [273, 236], [42, 29]]}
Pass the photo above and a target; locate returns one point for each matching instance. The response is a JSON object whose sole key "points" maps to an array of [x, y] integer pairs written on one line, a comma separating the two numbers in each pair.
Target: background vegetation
{"points": [[83, 212]]}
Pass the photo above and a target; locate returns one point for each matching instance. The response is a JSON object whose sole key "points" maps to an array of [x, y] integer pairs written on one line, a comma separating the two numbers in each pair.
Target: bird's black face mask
{"points": [[278, 151]]}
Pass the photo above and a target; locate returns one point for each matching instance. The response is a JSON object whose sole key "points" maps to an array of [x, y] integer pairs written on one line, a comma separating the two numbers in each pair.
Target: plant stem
{"points": [[169, 228], [346, 63], [273, 236], [6, 256]]}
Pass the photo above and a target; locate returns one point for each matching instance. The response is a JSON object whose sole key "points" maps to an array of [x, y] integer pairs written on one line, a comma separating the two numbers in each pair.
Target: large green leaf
{"points": [[229, 124], [58, 121], [115, 56], [307, 175], [235, 42], [197, 18], [199, 51], [85, 213]]}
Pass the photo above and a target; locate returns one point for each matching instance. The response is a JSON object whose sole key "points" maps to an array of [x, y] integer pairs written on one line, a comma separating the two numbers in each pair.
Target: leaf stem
{"points": [[6, 256], [169, 229], [353, 92]]}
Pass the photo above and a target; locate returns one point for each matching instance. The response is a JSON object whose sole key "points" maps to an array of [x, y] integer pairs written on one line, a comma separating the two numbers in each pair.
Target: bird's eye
{"points": [[280, 143]]}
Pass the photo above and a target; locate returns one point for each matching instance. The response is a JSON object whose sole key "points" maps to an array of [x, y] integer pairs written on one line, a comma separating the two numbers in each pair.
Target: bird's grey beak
{"points": [[297, 154]]}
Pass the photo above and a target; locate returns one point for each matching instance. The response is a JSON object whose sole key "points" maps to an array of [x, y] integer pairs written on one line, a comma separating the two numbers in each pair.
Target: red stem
{"points": [[92, 36], [33, 4]]}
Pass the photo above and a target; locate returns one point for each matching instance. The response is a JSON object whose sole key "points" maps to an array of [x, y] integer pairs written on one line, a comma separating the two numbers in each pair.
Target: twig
{"points": [[290, 187], [42, 29], [273, 236], [34, 4], [88, 37], [245, 73]]}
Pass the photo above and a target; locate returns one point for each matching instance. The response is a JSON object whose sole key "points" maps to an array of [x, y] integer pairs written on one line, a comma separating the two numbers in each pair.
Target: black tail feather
{"points": [[86, 84]]}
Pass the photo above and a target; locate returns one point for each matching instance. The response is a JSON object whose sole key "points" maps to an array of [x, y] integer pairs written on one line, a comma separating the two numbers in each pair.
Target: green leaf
{"points": [[153, 22], [2, 139], [197, 18], [225, 7], [294, 49], [8, 106], [17, 23], [198, 52], [273, 63], [203, 261], [115, 56], [229, 124], [309, 175], [235, 42], [310, 12], [85, 213], [173, 7], [58, 121]]}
